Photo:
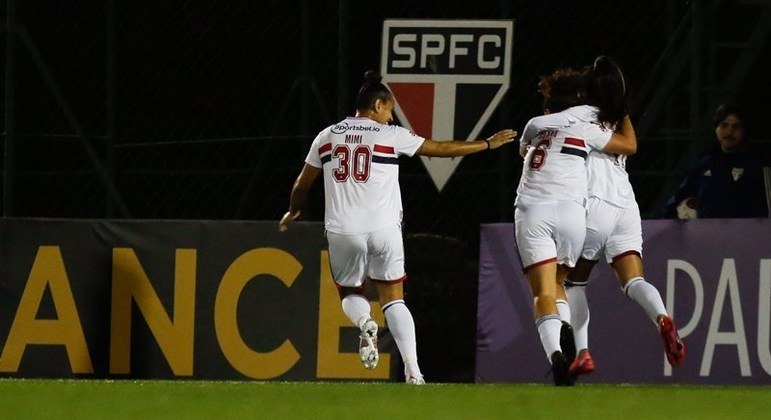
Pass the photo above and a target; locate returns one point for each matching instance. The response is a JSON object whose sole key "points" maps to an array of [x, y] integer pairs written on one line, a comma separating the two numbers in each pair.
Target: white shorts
{"points": [[376, 255], [547, 232], [611, 230]]}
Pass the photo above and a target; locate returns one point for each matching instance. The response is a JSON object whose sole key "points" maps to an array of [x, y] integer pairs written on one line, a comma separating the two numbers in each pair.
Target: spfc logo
{"points": [[447, 76]]}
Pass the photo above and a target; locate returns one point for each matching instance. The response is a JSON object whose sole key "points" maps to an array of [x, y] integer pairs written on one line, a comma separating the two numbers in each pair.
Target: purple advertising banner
{"points": [[713, 275]]}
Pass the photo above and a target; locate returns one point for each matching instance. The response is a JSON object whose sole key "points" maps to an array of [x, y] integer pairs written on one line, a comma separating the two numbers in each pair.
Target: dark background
{"points": [[204, 110]]}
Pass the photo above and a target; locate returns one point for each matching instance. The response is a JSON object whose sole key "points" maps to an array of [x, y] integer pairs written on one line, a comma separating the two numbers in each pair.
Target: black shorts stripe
{"points": [[388, 160], [575, 152]]}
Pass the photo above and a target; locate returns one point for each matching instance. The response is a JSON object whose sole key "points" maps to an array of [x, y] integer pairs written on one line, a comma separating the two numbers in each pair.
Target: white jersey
{"points": [[608, 179], [359, 160], [555, 167]]}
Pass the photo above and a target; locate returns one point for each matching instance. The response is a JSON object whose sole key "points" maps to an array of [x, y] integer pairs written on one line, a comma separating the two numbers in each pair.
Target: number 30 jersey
{"points": [[558, 145], [359, 158]]}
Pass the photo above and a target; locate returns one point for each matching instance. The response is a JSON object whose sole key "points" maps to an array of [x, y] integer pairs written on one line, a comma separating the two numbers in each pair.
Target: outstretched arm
{"points": [[453, 148], [299, 194]]}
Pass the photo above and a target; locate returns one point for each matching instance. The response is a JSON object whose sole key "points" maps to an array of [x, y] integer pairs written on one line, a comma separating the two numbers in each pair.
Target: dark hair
{"points": [[372, 90], [606, 89], [726, 109], [562, 89]]}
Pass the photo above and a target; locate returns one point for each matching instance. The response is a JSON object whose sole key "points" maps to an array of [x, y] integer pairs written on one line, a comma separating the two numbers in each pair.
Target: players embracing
{"points": [[558, 202]]}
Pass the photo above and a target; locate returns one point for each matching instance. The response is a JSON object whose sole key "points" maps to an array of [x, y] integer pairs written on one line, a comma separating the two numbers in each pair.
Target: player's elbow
{"points": [[627, 148], [433, 148]]}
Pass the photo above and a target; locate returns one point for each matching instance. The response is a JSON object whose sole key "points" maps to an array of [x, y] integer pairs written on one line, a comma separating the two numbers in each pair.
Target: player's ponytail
{"points": [[606, 88], [372, 90]]}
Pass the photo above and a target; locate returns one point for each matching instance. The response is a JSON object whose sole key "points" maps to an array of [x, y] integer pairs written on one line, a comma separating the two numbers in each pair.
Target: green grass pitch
{"points": [[152, 399]]}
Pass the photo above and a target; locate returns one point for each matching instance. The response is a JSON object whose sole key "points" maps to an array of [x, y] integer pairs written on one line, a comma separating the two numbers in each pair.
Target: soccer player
{"points": [[613, 226], [549, 217], [358, 159]]}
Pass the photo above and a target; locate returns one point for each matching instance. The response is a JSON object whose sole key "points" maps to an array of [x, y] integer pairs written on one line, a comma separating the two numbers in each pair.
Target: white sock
{"points": [[357, 309], [549, 327], [564, 310], [647, 296], [579, 314], [402, 328]]}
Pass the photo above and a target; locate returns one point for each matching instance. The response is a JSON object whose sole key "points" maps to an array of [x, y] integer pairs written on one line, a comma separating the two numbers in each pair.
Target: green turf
{"points": [[99, 399]]}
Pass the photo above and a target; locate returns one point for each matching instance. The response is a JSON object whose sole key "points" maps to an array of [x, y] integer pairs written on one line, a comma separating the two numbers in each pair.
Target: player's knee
{"points": [[343, 291]]}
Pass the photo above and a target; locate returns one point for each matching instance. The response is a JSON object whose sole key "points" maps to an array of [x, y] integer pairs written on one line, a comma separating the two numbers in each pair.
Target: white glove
{"points": [[685, 211]]}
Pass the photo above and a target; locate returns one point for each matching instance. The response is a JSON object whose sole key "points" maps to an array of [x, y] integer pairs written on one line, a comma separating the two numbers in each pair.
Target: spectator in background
{"points": [[727, 181]]}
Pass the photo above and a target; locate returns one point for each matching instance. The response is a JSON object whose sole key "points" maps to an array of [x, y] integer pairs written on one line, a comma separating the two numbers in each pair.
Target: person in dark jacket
{"points": [[727, 181]]}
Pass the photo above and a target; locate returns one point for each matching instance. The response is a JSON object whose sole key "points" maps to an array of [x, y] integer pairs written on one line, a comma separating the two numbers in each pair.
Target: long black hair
{"points": [[606, 88], [372, 90]]}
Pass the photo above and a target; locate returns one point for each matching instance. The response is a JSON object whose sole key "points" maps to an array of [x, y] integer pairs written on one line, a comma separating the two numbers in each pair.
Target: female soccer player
{"points": [[613, 226], [358, 159], [550, 218]]}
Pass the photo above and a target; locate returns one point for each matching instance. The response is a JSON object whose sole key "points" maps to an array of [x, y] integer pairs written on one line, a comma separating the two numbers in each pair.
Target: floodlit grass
{"points": [[126, 399]]}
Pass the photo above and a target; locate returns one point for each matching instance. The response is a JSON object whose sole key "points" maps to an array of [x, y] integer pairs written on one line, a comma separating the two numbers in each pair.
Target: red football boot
{"points": [[583, 364], [673, 345]]}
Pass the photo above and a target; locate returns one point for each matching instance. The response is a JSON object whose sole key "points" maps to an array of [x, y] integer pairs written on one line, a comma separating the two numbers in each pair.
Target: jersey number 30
{"points": [[352, 163]]}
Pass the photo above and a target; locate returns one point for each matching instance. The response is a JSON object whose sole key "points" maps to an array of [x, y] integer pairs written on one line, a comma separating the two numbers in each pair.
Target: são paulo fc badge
{"points": [[447, 76]]}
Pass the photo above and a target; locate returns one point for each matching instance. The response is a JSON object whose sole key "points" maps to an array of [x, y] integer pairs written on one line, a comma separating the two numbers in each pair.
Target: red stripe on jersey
{"points": [[325, 148], [575, 142], [384, 149]]}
